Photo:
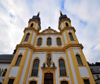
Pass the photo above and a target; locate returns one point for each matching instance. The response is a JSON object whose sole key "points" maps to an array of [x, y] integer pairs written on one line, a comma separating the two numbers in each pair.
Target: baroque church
{"points": [[47, 57]]}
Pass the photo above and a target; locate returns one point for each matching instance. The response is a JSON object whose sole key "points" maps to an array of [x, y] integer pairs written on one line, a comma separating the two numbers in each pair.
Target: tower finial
{"points": [[38, 14], [60, 12]]}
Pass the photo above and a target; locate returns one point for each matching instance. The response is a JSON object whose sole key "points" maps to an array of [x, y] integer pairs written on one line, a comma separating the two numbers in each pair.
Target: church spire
{"points": [[38, 14], [60, 12]]}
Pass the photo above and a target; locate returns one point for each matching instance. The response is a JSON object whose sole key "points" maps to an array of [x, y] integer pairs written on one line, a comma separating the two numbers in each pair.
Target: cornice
{"points": [[68, 29], [49, 68], [25, 45], [50, 29], [49, 33], [30, 28], [33, 20], [65, 19], [73, 45], [41, 49]]}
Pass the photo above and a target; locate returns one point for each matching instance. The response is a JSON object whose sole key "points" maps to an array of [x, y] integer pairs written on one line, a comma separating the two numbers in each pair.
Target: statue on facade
{"points": [[48, 60], [43, 65], [1, 71]]}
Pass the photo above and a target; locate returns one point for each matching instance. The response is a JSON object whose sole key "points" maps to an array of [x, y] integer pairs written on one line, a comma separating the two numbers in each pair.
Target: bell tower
{"points": [[68, 32], [19, 67], [31, 31], [76, 61]]}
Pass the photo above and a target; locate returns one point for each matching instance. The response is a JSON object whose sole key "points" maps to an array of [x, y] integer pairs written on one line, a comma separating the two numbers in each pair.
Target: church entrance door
{"points": [[48, 78]]}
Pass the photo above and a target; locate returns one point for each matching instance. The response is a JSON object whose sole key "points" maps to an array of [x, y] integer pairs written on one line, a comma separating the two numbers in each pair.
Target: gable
{"points": [[49, 31]]}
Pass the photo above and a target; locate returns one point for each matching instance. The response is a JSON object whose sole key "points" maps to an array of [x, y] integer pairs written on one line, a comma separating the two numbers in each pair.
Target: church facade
{"points": [[47, 57]]}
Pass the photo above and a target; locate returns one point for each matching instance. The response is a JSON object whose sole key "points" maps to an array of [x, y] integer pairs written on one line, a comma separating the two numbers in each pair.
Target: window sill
{"points": [[48, 45], [39, 45], [33, 76], [16, 65], [63, 76], [59, 45], [81, 65]]}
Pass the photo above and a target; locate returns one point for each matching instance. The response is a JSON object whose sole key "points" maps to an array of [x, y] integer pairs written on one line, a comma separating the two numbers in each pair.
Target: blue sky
{"points": [[84, 15]]}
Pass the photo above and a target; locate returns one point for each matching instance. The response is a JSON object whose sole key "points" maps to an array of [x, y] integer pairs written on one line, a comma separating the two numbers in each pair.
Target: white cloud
{"points": [[84, 14], [89, 12]]}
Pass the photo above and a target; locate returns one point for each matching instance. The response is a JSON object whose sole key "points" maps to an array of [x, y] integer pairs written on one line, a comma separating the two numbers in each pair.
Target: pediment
{"points": [[49, 30]]}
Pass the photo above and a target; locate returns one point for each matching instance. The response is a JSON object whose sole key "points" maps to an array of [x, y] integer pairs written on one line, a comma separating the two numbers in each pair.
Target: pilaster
{"points": [[80, 81], [17, 79], [69, 66], [27, 70], [87, 66]]}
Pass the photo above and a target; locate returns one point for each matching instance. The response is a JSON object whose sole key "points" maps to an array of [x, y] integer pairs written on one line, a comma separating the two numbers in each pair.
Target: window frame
{"points": [[64, 80], [41, 41], [65, 67], [85, 78], [60, 40], [32, 80], [26, 36], [32, 67], [31, 25], [80, 58], [17, 58], [47, 41], [10, 78], [72, 36], [67, 24]]}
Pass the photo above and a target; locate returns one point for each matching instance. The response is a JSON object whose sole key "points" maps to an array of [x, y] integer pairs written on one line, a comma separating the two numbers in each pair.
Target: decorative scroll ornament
{"points": [[1, 71]]}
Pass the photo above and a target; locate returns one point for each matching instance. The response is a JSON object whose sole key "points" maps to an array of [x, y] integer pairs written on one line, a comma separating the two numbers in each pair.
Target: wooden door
{"points": [[48, 78]]}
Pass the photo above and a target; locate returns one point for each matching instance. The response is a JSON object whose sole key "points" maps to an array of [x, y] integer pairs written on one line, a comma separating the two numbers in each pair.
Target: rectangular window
{"points": [[58, 41], [86, 81], [49, 41], [97, 76], [11, 81]]}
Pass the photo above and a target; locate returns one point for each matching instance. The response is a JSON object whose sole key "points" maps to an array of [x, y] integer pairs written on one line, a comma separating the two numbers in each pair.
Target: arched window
{"points": [[26, 39], [67, 24], [35, 68], [48, 41], [79, 60], [58, 41], [64, 82], [18, 60], [71, 37], [39, 42], [32, 25], [4, 73], [62, 67], [33, 82]]}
